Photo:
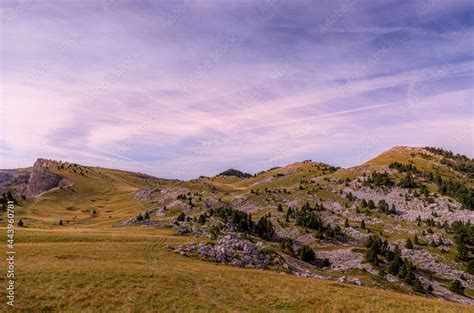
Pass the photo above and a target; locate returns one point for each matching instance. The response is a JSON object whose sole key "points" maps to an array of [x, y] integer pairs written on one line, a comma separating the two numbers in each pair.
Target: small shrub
{"points": [[181, 217], [306, 253], [456, 287]]}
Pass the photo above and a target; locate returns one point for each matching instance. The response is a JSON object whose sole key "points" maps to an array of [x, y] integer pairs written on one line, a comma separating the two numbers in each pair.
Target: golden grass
{"points": [[130, 270], [88, 266]]}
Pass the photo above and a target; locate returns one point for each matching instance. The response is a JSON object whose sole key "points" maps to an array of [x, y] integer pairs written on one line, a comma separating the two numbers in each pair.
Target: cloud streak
{"points": [[186, 88]]}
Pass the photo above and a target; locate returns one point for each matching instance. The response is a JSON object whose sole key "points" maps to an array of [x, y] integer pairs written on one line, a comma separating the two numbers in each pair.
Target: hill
{"points": [[398, 225]]}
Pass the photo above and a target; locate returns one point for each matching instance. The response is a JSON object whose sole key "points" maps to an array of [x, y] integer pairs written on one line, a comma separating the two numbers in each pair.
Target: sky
{"points": [[189, 88]]}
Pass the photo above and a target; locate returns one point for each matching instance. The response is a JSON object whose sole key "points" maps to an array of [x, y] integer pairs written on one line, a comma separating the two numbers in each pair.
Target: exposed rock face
{"points": [[245, 205], [343, 260], [442, 292], [41, 180], [9, 177], [12, 180], [232, 250], [159, 212], [351, 280], [427, 261], [147, 193], [409, 207], [32, 181]]}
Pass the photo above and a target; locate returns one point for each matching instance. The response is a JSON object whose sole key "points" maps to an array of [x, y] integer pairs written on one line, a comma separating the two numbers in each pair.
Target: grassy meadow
{"points": [[86, 265], [132, 270]]}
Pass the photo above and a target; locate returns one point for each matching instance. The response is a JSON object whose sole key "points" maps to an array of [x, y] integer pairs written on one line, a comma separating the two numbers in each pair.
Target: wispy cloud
{"points": [[187, 88]]}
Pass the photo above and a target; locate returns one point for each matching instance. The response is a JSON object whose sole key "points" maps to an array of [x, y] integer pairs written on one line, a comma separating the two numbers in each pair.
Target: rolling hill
{"points": [[392, 234]]}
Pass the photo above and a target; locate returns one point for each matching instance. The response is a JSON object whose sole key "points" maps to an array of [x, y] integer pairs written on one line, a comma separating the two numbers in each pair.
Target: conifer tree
{"points": [[280, 208]]}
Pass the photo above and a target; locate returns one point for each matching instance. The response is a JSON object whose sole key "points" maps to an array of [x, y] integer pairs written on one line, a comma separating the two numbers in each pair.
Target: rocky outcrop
{"points": [[41, 180], [427, 261], [13, 180], [351, 280], [231, 249], [343, 260], [135, 221], [410, 207], [32, 181], [147, 193]]}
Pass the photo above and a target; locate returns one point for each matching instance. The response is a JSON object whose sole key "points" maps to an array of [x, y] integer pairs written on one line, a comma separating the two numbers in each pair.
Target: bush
{"points": [[280, 208], [264, 228], [375, 246], [408, 182], [20, 223], [306, 253], [241, 220], [456, 287], [470, 267], [181, 217], [202, 219], [287, 245], [379, 180]]}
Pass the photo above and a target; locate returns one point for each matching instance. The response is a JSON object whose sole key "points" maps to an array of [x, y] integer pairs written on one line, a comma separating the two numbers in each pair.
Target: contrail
{"points": [[319, 116]]}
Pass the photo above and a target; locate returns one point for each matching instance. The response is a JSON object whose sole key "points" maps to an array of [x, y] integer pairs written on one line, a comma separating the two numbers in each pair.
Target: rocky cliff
{"points": [[32, 181]]}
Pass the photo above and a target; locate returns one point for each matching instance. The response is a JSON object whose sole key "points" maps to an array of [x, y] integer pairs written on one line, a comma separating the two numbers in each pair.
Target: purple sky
{"points": [[188, 88]]}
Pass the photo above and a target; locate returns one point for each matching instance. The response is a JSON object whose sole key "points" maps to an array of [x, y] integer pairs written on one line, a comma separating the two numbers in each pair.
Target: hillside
{"points": [[397, 225]]}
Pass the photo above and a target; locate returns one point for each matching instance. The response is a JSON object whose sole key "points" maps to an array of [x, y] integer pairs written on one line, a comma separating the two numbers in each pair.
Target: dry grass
{"points": [[88, 266], [130, 270]]}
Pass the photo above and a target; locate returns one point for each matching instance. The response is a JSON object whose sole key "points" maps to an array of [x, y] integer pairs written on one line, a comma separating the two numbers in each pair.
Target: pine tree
{"points": [[417, 286], [181, 217], [346, 223], [430, 288], [409, 244], [147, 216], [362, 224], [306, 253], [350, 196], [20, 223], [456, 287], [280, 208], [61, 222], [416, 241], [289, 213], [202, 219], [363, 204], [470, 267], [463, 252], [394, 267]]}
